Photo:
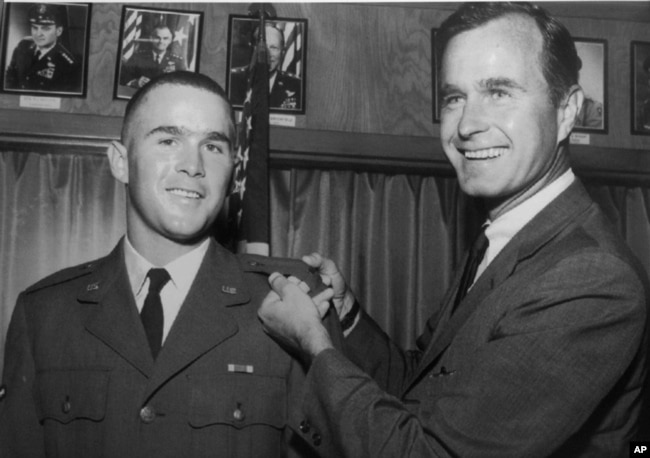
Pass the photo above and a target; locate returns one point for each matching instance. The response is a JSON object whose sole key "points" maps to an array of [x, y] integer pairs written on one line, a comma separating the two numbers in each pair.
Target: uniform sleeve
{"points": [[20, 431], [551, 362]]}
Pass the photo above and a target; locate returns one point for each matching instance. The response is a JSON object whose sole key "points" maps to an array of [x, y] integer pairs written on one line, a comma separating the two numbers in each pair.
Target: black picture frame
{"points": [[136, 65], [435, 115], [288, 94], [62, 71], [640, 87], [593, 116]]}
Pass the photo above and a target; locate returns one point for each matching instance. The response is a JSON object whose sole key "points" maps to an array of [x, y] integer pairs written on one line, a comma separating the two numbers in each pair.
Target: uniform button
{"points": [[147, 414], [317, 439], [238, 414], [305, 427], [66, 406]]}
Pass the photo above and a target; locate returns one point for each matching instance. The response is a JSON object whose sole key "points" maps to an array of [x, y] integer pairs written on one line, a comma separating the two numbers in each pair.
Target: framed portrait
{"points": [[640, 84], [155, 41], [593, 79], [434, 79], [45, 49], [286, 41]]}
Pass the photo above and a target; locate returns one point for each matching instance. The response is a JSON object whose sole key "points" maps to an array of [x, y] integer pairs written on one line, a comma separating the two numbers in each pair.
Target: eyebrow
{"points": [[489, 83], [492, 83], [176, 130]]}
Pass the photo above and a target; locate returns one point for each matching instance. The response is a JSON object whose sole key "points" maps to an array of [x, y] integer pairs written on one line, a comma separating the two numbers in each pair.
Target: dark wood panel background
{"points": [[368, 73]]}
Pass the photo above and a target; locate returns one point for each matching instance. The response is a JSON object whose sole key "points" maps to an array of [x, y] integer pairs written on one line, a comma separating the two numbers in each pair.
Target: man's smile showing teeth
{"points": [[488, 153], [185, 193]]}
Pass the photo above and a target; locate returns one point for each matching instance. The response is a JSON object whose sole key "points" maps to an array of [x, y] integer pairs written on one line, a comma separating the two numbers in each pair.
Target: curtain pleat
{"points": [[396, 238]]}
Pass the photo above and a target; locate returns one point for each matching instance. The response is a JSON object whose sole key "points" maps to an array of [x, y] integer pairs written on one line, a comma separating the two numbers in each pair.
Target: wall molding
{"points": [[309, 148]]}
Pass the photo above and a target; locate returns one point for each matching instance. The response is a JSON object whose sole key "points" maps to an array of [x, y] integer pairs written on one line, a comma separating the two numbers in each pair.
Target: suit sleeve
{"points": [[573, 336], [20, 431]]}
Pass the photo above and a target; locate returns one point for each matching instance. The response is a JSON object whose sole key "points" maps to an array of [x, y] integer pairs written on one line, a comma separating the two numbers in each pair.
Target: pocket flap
{"points": [[239, 400]]}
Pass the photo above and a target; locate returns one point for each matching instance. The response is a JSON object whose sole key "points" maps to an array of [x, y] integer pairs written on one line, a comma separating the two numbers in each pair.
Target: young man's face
{"points": [[162, 38], [45, 35], [180, 161], [499, 128]]}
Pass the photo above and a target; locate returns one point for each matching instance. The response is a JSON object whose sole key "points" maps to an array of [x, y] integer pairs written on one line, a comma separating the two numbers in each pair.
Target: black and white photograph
{"points": [[640, 84], [286, 42], [153, 42], [592, 58], [46, 48]]}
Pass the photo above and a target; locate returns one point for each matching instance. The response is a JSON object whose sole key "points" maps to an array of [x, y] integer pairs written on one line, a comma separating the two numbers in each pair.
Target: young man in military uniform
{"points": [[156, 349], [148, 62], [42, 63]]}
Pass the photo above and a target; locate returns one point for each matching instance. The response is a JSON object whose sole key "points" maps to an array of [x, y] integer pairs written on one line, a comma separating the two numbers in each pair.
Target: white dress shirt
{"points": [[182, 272], [500, 231]]}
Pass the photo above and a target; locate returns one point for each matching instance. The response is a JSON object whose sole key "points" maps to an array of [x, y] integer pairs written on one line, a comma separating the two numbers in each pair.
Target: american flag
{"points": [[250, 199], [132, 31]]}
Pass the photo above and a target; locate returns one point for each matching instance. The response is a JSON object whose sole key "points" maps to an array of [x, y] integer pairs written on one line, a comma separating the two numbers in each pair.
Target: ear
{"points": [[568, 112], [119, 161]]}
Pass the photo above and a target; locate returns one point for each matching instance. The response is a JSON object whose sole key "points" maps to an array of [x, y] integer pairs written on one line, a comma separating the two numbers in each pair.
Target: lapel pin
{"points": [[229, 289], [92, 286]]}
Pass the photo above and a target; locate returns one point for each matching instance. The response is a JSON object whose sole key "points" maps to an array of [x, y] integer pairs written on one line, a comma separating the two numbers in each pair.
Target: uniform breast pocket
{"points": [[241, 415], [238, 400], [68, 394]]}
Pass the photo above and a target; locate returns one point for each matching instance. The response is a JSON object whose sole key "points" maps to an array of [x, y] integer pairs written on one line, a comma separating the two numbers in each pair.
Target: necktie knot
{"points": [[158, 278]]}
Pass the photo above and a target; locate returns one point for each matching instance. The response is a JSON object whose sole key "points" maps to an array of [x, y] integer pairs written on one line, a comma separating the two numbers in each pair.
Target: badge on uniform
{"points": [[246, 368]]}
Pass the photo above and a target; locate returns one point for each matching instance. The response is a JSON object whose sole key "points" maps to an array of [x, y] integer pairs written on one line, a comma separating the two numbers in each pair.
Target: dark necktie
{"points": [[152, 311], [475, 256]]}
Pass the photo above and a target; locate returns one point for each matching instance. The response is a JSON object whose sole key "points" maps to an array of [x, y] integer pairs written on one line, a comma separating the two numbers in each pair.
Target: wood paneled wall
{"points": [[368, 78]]}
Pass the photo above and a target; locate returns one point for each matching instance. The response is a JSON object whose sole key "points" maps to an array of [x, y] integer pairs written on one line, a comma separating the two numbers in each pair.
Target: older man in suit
{"points": [[544, 354], [156, 349]]}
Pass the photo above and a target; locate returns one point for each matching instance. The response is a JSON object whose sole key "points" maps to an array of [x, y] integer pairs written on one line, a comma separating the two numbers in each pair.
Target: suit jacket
{"points": [[142, 63], [58, 70], [545, 356], [80, 379]]}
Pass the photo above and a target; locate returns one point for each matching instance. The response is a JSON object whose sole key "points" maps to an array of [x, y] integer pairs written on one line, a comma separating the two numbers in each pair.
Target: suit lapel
{"points": [[543, 228], [116, 321], [203, 321]]}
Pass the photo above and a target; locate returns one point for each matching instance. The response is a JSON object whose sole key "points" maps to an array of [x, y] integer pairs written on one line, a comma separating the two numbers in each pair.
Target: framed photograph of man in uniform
{"points": [[286, 43], [592, 54], [45, 48], [640, 84], [155, 41]]}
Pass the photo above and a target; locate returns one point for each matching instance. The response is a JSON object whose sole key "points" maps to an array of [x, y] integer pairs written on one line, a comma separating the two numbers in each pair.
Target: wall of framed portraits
{"points": [[368, 98]]}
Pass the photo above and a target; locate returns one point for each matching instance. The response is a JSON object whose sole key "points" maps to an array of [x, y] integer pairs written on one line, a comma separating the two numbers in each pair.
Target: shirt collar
{"points": [[503, 229], [182, 270]]}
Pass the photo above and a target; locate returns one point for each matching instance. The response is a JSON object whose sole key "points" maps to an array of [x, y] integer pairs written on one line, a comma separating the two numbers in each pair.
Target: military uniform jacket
{"points": [[286, 93], [545, 356], [81, 382], [57, 70], [142, 63]]}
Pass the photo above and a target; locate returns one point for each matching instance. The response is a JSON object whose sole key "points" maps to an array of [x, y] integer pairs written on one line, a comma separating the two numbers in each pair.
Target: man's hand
{"points": [[343, 298], [290, 316]]}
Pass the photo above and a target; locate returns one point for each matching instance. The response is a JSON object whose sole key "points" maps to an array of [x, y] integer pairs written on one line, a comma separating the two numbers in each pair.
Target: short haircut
{"points": [[179, 78], [559, 58]]}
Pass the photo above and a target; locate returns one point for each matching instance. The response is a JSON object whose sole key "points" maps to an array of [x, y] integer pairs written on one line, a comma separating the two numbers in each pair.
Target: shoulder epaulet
{"points": [[286, 266], [63, 276], [67, 55]]}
